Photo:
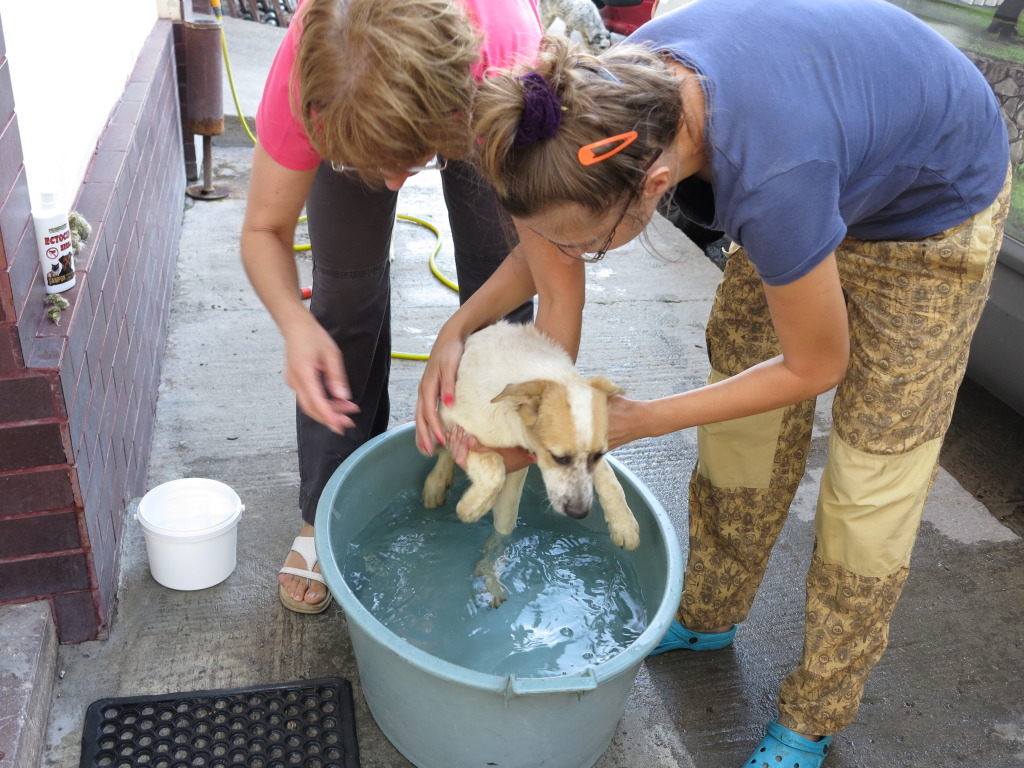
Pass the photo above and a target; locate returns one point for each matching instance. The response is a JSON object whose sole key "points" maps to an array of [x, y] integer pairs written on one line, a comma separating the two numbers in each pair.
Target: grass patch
{"points": [[970, 27]]}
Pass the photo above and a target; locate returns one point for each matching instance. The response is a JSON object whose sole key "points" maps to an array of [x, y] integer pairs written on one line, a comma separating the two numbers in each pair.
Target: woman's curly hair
{"points": [[383, 83]]}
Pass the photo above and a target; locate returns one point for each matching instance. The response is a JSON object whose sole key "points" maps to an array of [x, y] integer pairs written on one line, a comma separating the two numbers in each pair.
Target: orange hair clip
{"points": [[587, 155]]}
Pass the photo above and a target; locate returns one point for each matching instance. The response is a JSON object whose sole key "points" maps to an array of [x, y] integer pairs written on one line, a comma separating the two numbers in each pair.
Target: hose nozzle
{"points": [[216, 9]]}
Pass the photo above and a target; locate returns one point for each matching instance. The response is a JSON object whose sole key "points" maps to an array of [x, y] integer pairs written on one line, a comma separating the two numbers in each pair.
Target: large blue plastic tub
{"points": [[441, 715]]}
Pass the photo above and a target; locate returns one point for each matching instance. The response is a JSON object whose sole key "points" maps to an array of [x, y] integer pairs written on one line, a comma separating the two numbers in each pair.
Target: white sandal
{"points": [[305, 547]]}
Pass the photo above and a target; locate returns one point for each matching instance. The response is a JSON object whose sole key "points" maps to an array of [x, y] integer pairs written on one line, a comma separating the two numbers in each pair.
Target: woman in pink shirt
{"points": [[363, 94]]}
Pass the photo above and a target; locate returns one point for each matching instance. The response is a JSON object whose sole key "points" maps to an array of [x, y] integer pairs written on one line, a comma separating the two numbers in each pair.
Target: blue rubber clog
{"points": [[679, 637], [782, 748]]}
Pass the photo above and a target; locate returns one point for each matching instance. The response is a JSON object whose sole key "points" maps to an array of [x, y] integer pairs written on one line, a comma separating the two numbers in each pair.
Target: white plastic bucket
{"points": [[190, 526]]}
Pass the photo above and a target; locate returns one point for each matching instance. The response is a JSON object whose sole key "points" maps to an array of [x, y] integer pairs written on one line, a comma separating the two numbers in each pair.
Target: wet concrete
{"points": [[946, 694]]}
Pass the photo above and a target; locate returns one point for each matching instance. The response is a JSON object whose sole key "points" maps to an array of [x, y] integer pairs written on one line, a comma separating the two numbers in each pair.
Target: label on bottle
{"points": [[57, 255]]}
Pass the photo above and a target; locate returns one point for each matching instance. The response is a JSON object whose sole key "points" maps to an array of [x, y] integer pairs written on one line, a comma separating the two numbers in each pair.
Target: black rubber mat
{"points": [[306, 724]]}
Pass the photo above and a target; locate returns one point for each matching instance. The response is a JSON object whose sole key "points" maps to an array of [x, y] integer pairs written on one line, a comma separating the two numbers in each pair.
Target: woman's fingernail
{"points": [[448, 399]]}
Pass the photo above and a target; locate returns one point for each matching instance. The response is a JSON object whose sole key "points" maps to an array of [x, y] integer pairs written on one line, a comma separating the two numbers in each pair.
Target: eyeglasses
{"points": [[599, 254], [437, 164], [590, 257]]}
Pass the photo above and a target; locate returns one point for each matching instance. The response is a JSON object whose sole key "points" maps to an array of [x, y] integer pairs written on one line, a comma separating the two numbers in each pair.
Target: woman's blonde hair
{"points": [[383, 83], [627, 88]]}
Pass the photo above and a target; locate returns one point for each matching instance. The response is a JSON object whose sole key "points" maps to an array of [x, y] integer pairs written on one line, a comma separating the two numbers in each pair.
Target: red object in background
{"points": [[625, 19]]}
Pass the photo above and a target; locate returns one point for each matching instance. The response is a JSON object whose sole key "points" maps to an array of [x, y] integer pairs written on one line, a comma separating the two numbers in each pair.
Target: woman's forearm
{"points": [[762, 388], [560, 285], [276, 198], [531, 269], [814, 359], [509, 287]]}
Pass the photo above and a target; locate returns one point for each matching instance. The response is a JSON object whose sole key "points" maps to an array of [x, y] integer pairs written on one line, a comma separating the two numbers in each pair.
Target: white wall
{"points": [[70, 61]]}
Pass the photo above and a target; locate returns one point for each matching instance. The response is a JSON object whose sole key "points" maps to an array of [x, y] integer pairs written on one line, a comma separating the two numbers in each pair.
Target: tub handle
{"points": [[516, 686]]}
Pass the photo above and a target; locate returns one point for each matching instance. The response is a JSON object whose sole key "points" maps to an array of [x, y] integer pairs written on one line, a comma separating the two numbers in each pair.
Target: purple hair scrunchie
{"points": [[542, 111]]}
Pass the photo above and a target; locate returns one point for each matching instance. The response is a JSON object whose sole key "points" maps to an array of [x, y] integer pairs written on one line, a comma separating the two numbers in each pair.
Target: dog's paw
{"points": [[486, 598], [434, 493], [489, 590], [626, 534], [468, 512]]}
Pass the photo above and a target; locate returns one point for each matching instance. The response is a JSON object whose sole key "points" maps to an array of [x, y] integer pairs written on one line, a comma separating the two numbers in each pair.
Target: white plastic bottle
{"points": [[53, 239]]}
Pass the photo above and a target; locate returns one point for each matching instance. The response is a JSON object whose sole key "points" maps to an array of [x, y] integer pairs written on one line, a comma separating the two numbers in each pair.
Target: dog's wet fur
{"points": [[518, 388]]}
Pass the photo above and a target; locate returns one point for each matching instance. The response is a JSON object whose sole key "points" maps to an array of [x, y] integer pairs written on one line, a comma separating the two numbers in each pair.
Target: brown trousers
{"points": [[913, 307]]}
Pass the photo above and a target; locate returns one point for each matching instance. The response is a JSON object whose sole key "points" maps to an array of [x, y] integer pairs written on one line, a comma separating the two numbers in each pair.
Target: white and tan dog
{"points": [[518, 388]]}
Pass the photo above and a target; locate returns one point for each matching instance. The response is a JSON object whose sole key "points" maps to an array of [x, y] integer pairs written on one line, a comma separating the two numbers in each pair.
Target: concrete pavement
{"points": [[946, 694]]}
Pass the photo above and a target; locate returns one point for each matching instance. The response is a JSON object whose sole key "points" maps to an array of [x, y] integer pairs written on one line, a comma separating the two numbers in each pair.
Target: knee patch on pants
{"points": [[870, 506], [739, 453]]}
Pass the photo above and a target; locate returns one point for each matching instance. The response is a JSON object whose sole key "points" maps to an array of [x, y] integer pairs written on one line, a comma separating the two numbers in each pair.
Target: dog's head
{"points": [[567, 425]]}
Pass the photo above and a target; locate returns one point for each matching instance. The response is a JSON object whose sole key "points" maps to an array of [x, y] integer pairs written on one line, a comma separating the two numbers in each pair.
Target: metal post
{"points": [[204, 109]]}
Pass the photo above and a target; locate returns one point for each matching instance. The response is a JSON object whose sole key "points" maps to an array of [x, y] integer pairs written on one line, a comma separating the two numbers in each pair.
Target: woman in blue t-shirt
{"points": [[858, 162]]}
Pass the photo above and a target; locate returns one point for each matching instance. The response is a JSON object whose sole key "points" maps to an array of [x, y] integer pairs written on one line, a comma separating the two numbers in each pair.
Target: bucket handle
{"points": [[516, 686]]}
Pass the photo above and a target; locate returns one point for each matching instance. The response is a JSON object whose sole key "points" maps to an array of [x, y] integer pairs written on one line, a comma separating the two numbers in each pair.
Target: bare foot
{"points": [[305, 590]]}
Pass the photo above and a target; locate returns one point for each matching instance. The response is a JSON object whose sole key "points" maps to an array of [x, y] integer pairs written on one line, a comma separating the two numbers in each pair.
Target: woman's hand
{"points": [[459, 443], [437, 385], [315, 370], [625, 421]]}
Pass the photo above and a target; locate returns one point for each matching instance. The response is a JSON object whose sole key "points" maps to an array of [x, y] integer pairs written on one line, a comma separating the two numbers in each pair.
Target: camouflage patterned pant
{"points": [[913, 307]]}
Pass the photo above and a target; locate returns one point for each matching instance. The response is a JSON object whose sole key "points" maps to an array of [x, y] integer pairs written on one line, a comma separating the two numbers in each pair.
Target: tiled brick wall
{"points": [[77, 400]]}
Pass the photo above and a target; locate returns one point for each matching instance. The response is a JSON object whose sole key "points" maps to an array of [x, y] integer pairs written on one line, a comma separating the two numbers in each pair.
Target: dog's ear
{"points": [[526, 397], [601, 384]]}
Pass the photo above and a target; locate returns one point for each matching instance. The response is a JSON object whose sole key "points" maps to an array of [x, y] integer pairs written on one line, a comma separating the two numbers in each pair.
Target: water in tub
{"points": [[572, 598]]}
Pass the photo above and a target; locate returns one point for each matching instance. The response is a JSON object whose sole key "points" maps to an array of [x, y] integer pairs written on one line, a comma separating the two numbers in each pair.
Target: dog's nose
{"points": [[576, 511]]}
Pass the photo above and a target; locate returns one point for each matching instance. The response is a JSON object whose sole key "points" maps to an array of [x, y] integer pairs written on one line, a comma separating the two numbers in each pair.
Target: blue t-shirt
{"points": [[831, 117]]}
